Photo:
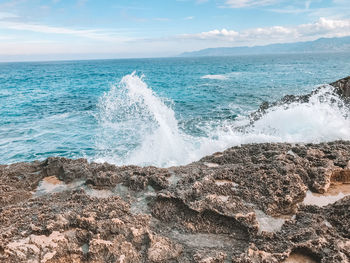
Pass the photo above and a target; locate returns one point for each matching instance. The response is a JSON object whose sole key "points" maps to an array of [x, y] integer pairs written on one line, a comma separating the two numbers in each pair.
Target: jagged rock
{"points": [[343, 87], [242, 205]]}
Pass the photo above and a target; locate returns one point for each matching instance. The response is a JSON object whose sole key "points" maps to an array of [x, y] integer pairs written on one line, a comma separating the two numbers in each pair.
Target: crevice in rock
{"points": [[303, 255]]}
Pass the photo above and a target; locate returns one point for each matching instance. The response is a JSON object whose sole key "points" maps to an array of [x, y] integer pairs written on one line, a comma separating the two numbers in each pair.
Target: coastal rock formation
{"points": [[255, 203], [340, 88]]}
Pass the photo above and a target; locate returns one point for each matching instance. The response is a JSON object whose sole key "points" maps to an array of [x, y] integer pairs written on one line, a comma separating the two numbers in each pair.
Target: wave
{"points": [[222, 76], [138, 127], [217, 77]]}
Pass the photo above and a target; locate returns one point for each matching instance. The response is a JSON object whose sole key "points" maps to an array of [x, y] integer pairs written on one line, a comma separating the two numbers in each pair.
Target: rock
{"points": [[247, 206], [116, 250], [343, 87], [217, 257], [162, 249]]}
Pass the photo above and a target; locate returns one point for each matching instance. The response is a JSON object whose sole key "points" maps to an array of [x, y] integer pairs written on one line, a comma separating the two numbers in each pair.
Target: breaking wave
{"points": [[138, 127]]}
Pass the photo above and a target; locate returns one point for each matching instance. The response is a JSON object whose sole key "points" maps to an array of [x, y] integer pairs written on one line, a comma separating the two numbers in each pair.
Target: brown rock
{"points": [[162, 249], [247, 205], [343, 87]]}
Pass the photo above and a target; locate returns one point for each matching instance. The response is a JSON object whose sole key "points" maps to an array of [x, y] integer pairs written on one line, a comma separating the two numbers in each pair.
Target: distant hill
{"points": [[322, 45]]}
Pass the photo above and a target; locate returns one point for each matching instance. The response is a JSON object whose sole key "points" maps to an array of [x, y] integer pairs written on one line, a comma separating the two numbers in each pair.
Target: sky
{"points": [[92, 29]]}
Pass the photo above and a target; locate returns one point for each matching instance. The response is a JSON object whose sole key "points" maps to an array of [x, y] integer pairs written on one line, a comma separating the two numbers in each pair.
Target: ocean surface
{"points": [[166, 111]]}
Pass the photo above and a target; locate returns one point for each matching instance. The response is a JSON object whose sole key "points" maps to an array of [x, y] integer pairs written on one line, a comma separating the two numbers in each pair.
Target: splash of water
{"points": [[324, 118], [137, 127]]}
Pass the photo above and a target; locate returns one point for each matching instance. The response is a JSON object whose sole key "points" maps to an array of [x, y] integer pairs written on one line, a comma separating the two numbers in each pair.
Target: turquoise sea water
{"points": [[162, 112]]}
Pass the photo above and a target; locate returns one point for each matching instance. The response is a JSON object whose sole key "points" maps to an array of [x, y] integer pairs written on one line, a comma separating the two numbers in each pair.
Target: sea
{"points": [[165, 111]]}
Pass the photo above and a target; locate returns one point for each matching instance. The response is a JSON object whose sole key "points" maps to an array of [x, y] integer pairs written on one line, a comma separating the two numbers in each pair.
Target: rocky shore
{"points": [[254, 203]]}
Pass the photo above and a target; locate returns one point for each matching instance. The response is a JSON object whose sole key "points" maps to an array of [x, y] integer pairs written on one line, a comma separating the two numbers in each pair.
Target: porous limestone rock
{"points": [[248, 207]]}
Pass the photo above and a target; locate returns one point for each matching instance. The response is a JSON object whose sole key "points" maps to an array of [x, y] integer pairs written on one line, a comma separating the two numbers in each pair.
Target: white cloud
{"points": [[223, 34], [247, 3], [322, 28], [98, 43], [289, 10], [5, 15], [338, 10], [326, 27], [5, 38], [38, 28], [189, 18]]}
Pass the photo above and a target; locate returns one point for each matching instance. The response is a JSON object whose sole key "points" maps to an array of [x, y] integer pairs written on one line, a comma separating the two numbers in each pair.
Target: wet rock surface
{"points": [[342, 87], [245, 204]]}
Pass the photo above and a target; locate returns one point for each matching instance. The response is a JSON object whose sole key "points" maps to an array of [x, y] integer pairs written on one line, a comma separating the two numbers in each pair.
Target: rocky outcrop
{"points": [[341, 88], [246, 204]]}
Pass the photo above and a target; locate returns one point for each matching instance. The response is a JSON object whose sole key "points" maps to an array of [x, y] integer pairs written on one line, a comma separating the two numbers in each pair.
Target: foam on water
{"points": [[138, 127], [226, 76], [217, 77]]}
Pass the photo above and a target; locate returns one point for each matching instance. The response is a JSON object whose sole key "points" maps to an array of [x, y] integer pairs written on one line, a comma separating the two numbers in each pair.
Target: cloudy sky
{"points": [[82, 29]]}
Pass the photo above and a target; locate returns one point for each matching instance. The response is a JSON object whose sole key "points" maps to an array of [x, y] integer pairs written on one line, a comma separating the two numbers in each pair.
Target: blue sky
{"points": [[82, 29]]}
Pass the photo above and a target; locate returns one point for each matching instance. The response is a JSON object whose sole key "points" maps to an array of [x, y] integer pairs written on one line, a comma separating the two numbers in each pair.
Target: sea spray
{"points": [[138, 127], [324, 117], [54, 108]]}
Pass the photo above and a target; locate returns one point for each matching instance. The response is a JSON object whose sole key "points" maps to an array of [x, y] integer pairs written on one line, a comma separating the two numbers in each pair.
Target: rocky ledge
{"points": [[255, 203]]}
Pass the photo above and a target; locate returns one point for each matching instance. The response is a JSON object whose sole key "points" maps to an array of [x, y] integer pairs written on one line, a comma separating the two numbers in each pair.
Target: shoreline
{"points": [[261, 202], [245, 204]]}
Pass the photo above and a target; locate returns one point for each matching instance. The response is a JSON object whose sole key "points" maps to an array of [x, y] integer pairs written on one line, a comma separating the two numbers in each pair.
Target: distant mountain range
{"points": [[322, 45]]}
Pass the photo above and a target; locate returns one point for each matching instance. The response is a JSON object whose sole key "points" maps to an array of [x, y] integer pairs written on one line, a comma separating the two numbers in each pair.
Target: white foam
{"points": [[225, 76], [217, 77], [137, 127], [132, 114], [324, 118]]}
